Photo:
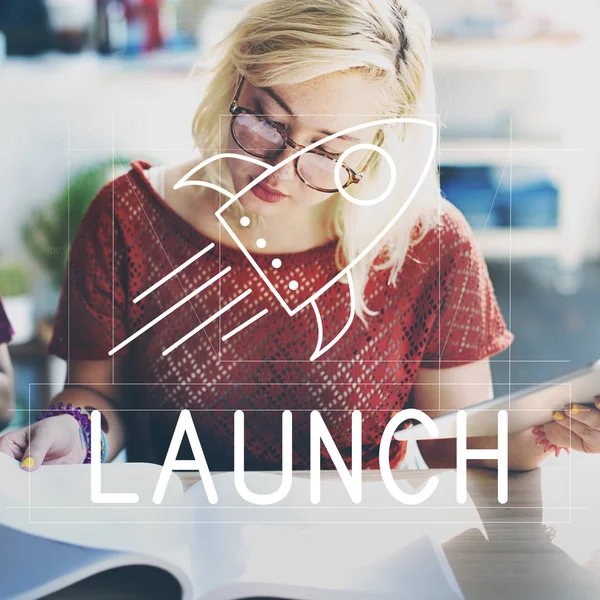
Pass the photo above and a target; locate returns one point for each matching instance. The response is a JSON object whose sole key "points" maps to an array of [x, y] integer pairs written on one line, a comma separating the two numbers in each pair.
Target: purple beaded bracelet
{"points": [[81, 417]]}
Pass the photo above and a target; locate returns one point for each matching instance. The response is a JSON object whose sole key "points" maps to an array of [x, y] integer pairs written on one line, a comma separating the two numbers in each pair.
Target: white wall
{"points": [[57, 115]]}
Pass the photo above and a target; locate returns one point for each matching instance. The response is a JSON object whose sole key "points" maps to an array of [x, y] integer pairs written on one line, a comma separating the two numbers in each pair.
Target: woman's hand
{"points": [[577, 427], [51, 441]]}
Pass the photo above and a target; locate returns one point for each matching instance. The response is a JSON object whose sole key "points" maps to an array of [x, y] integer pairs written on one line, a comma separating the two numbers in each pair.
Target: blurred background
{"points": [[88, 85]]}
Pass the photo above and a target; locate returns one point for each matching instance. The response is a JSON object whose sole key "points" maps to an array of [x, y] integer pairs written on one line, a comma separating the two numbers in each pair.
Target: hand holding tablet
{"points": [[531, 407]]}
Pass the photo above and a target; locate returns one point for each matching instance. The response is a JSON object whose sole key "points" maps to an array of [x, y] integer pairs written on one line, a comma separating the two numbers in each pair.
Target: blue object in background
{"points": [[25, 372], [471, 190], [534, 198], [26, 27], [534, 206]]}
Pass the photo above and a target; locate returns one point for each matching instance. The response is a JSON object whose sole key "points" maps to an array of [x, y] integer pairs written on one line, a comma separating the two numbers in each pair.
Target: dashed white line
{"points": [[173, 273], [168, 311], [245, 324], [194, 331]]}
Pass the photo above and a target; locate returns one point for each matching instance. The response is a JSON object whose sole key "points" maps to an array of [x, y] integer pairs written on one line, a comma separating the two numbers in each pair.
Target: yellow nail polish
{"points": [[574, 409], [28, 463], [558, 415]]}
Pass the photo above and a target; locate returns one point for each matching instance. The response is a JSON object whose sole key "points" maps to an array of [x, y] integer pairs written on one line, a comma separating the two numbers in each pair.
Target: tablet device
{"points": [[526, 408]]}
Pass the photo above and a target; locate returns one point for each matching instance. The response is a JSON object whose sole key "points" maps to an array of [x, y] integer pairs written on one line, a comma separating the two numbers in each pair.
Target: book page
{"points": [[55, 502], [32, 567], [418, 571], [335, 545]]}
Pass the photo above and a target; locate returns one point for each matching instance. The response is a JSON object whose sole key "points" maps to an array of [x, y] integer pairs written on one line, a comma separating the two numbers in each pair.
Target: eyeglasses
{"points": [[260, 137]]}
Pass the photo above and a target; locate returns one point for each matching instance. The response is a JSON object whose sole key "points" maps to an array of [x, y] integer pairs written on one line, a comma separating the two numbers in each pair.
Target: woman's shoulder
{"points": [[132, 204], [119, 194], [132, 195], [449, 235], [149, 187]]}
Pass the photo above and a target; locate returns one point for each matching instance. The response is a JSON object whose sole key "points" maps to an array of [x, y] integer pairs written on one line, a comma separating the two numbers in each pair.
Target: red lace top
{"points": [[442, 313]]}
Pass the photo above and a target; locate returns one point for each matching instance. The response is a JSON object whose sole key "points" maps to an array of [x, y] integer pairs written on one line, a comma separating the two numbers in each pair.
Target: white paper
{"points": [[334, 546], [233, 549], [55, 502]]}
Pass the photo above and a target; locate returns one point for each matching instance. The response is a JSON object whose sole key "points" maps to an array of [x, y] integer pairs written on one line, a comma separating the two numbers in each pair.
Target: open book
{"points": [[232, 549]]}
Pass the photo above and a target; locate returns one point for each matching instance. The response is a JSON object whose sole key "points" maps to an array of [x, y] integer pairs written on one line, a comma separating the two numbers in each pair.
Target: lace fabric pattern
{"points": [[442, 313]]}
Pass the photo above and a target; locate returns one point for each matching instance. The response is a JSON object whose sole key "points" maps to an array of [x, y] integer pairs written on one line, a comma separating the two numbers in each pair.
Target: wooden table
{"points": [[532, 551]]}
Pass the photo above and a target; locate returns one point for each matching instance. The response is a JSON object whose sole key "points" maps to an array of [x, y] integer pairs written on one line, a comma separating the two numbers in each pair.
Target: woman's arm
{"points": [[59, 439], [94, 389], [440, 391], [7, 398]]}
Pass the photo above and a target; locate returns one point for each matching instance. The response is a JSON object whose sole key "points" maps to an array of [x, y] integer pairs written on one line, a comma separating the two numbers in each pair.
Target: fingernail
{"points": [[546, 443], [536, 431], [539, 438], [574, 409], [558, 416], [28, 463]]}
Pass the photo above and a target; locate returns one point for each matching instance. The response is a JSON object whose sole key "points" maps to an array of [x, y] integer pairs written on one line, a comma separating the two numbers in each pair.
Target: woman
{"points": [[290, 74], [7, 401]]}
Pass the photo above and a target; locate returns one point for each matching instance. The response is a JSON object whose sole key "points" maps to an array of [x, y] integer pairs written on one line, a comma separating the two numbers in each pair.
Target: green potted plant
{"points": [[15, 291], [50, 231]]}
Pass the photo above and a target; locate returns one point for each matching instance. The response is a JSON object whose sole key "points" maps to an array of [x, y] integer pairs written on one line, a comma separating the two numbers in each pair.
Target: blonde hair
{"points": [[282, 42]]}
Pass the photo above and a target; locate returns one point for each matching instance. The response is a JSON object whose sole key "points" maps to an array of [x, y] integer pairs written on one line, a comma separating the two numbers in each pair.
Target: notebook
{"points": [[294, 550]]}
